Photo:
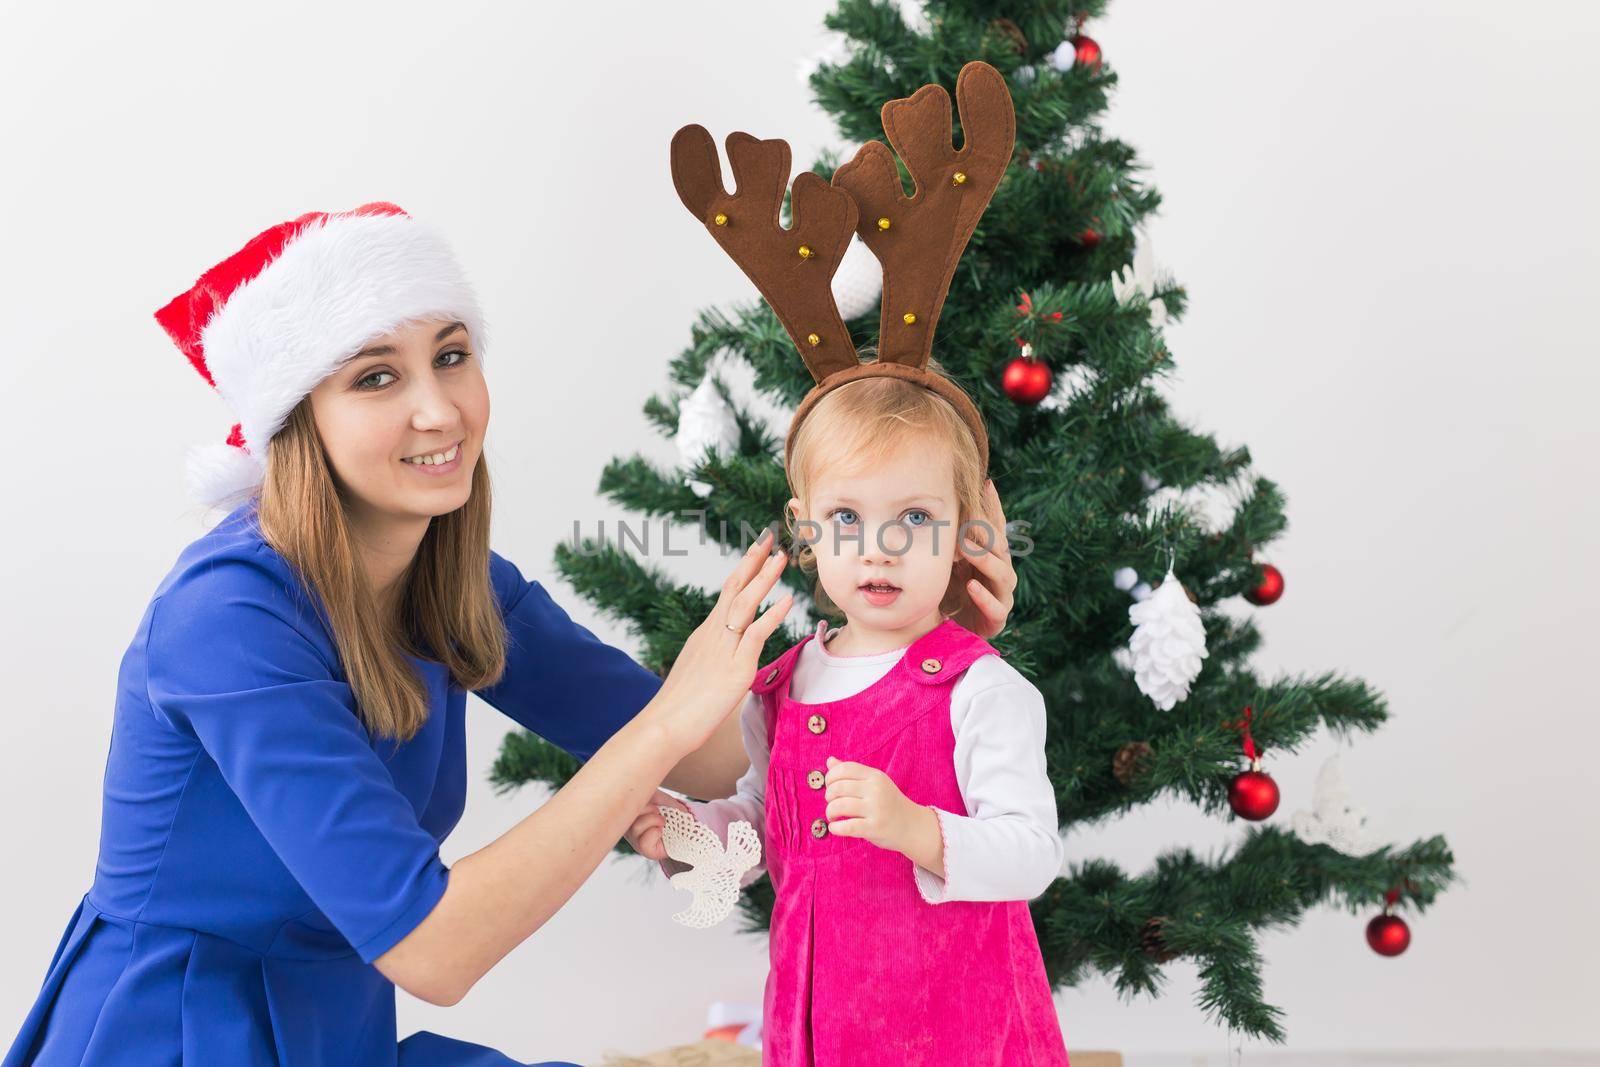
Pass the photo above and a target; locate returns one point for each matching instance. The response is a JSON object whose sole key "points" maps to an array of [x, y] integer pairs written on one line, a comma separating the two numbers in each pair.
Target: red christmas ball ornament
{"points": [[1253, 794], [1270, 589], [1089, 237], [1388, 935], [1087, 52], [1026, 379]]}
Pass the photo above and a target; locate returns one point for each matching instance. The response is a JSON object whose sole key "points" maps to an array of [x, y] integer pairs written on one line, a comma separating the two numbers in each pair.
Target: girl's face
{"points": [[885, 538], [417, 392]]}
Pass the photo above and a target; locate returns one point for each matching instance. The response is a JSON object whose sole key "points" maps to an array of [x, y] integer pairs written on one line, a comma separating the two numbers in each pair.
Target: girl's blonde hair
{"points": [[856, 424], [446, 609]]}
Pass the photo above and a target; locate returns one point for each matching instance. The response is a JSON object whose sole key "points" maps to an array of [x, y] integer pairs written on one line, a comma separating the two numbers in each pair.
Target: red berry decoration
{"points": [[1388, 934], [1026, 380], [1088, 237], [1270, 589], [1252, 794], [1087, 52]]}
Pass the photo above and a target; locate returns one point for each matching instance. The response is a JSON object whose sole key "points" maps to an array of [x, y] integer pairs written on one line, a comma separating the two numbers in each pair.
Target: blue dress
{"points": [[258, 850]]}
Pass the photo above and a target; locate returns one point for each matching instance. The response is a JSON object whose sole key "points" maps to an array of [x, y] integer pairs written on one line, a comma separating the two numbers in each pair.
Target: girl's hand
{"points": [[645, 833], [865, 802], [718, 662], [989, 600]]}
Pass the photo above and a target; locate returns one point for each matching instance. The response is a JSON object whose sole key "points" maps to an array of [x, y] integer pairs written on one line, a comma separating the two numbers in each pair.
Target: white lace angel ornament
{"points": [[1333, 819], [715, 872]]}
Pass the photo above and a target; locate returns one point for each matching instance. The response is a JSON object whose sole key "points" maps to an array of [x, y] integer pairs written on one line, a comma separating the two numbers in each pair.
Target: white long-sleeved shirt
{"points": [[1006, 845]]}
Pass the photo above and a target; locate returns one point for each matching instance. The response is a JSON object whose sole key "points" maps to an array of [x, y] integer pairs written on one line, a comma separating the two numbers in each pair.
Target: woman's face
{"points": [[885, 536], [403, 423]]}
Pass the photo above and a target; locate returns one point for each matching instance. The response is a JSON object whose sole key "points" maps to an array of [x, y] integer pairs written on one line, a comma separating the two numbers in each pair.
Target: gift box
{"points": [[708, 1053]]}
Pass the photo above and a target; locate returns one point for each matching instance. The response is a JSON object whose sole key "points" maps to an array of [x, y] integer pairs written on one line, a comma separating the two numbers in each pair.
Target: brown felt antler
{"points": [[793, 268], [920, 239]]}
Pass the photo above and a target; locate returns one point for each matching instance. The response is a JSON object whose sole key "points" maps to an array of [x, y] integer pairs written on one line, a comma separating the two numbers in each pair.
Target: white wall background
{"points": [[1379, 212]]}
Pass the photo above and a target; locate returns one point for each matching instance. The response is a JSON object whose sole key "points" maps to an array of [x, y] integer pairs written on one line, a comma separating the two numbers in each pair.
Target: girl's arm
{"points": [[1007, 846], [749, 799], [713, 769]]}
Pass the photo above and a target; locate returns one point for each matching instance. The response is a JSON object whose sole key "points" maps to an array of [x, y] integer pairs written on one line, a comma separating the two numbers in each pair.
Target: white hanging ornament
{"points": [[1125, 578], [1065, 55], [1212, 506], [715, 872], [835, 53], [1168, 643], [858, 283], [1333, 818], [705, 422], [1140, 277], [1069, 382], [915, 18]]}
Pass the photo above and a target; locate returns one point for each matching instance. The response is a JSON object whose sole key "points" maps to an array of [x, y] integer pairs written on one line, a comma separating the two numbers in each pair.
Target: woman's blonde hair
{"points": [[446, 608], [856, 424]]}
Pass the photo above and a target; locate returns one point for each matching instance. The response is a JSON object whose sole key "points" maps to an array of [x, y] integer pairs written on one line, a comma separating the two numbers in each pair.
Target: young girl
{"points": [[897, 773]]}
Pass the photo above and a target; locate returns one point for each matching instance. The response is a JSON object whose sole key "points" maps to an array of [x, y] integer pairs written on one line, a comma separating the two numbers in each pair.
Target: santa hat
{"points": [[270, 322]]}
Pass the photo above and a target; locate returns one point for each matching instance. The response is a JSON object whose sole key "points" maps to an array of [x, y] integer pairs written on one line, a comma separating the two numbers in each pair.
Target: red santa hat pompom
{"points": [[270, 322]]}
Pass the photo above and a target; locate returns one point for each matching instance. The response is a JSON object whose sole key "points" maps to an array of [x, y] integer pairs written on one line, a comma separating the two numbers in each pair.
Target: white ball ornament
{"points": [[858, 283], [705, 422]]}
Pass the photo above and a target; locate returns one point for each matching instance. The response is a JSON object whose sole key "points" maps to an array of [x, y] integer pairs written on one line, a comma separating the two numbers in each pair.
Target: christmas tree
{"points": [[1053, 325]]}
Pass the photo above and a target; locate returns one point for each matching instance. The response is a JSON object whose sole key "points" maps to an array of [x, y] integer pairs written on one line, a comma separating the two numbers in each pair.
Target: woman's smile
{"points": [[436, 463]]}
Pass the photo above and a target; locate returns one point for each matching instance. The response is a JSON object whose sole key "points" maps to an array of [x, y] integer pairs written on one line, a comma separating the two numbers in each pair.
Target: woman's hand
{"points": [[989, 600], [645, 833], [718, 662]]}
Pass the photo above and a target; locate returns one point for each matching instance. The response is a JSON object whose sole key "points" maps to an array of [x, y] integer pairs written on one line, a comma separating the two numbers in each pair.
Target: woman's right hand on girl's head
{"points": [[716, 666]]}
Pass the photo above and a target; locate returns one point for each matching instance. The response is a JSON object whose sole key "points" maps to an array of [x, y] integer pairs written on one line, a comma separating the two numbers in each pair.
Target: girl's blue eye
{"points": [[845, 516], [913, 520], [362, 383]]}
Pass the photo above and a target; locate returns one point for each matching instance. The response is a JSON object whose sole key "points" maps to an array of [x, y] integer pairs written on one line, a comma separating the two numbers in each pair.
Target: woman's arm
{"points": [[498, 896], [574, 690]]}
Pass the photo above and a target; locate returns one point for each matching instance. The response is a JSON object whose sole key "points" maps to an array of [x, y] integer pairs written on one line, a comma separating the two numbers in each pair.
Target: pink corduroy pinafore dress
{"points": [[864, 970]]}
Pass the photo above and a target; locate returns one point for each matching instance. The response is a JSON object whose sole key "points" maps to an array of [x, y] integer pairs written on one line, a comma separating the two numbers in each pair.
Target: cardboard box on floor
{"points": [[728, 1054]]}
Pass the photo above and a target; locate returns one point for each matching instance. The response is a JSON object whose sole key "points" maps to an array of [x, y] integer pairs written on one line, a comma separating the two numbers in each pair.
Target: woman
{"points": [[287, 750]]}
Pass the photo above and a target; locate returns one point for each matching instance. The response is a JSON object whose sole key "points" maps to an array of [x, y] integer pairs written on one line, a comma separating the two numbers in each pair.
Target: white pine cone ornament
{"points": [[1168, 643], [705, 421]]}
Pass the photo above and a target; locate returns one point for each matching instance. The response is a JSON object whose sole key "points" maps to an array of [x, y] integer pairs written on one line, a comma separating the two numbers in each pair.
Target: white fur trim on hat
{"points": [[221, 476]]}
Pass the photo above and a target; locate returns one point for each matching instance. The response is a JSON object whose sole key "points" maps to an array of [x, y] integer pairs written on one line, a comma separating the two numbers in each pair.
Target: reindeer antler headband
{"points": [[919, 240]]}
